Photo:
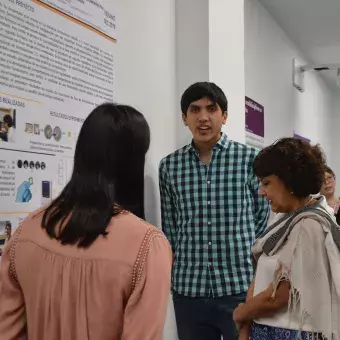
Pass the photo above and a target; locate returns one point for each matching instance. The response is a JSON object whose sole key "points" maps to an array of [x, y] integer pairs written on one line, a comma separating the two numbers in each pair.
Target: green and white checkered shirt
{"points": [[211, 215]]}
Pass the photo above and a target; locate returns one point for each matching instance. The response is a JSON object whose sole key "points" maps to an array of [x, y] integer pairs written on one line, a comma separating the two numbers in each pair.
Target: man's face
{"points": [[205, 120]]}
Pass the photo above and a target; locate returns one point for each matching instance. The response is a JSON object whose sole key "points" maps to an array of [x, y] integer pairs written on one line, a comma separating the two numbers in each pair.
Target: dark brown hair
{"points": [[108, 176], [329, 170], [300, 165]]}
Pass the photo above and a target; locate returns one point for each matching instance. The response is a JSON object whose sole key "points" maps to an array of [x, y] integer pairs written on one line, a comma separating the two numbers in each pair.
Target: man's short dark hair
{"points": [[298, 164], [8, 120], [201, 90]]}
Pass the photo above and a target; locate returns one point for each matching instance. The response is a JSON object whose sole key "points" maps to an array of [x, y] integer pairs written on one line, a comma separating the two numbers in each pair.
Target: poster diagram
{"points": [[56, 65], [29, 180], [254, 123]]}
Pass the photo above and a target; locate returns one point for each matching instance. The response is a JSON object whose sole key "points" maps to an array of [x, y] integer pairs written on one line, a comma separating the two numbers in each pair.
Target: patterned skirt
{"points": [[261, 332]]}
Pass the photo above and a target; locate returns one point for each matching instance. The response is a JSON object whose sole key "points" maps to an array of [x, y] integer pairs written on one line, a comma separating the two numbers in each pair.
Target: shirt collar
{"points": [[223, 143]]}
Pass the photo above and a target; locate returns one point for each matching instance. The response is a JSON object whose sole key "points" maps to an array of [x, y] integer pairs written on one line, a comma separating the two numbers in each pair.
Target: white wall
{"points": [[210, 47], [145, 75], [268, 77], [226, 60], [335, 132], [192, 54], [163, 47]]}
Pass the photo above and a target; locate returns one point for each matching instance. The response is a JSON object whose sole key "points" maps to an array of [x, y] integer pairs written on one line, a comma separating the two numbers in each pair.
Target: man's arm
{"points": [[167, 206], [261, 206]]}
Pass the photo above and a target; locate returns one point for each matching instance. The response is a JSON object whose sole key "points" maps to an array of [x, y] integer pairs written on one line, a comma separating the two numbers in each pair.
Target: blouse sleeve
{"points": [[12, 307], [146, 309]]}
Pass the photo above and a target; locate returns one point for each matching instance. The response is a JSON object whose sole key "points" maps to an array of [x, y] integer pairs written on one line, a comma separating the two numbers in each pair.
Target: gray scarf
{"points": [[315, 208]]}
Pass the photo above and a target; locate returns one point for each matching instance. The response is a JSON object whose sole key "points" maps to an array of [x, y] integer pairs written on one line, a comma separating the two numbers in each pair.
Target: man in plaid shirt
{"points": [[211, 214]]}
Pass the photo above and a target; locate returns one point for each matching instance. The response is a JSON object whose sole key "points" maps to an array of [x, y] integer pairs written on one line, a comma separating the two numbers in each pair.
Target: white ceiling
{"points": [[313, 25]]}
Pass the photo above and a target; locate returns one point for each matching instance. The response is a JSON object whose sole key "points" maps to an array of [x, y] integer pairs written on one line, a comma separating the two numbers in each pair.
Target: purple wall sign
{"points": [[254, 117], [301, 138]]}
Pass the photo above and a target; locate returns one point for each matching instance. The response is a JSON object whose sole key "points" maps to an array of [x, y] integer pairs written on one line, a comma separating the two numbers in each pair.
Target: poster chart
{"points": [[254, 123], [56, 65]]}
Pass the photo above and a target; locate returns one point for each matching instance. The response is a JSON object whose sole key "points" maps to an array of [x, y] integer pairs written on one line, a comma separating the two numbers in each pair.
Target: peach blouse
{"points": [[116, 289]]}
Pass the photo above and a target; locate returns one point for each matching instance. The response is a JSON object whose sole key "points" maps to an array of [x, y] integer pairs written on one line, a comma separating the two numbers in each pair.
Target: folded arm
{"points": [[265, 304]]}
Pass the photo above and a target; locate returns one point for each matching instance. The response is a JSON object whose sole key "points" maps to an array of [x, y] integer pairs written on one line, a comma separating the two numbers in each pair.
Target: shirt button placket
{"points": [[209, 224]]}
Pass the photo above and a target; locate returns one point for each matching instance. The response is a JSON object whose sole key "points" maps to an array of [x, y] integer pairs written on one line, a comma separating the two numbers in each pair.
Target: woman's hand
{"points": [[244, 336], [244, 331], [265, 304], [242, 328], [237, 315]]}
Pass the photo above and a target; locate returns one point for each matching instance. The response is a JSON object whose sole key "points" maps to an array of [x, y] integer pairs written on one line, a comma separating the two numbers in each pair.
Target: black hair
{"points": [[337, 217], [329, 171], [9, 225], [8, 120], [108, 176], [300, 165], [201, 90]]}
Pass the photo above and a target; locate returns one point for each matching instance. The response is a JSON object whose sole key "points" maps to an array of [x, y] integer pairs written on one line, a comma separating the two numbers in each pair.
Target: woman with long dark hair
{"points": [[88, 266]]}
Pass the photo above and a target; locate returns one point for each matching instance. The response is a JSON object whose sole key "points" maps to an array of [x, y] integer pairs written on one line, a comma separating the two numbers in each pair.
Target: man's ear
{"points": [[184, 117], [225, 117]]}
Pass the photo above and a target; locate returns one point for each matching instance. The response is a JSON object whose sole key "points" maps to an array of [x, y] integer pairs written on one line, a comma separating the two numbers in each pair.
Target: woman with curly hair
{"points": [[295, 293]]}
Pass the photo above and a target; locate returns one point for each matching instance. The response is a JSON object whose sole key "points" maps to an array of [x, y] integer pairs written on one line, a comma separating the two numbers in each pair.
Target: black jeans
{"points": [[206, 318]]}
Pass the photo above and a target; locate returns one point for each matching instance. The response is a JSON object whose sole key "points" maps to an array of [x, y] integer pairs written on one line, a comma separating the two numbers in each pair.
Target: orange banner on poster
{"points": [[77, 21]]}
